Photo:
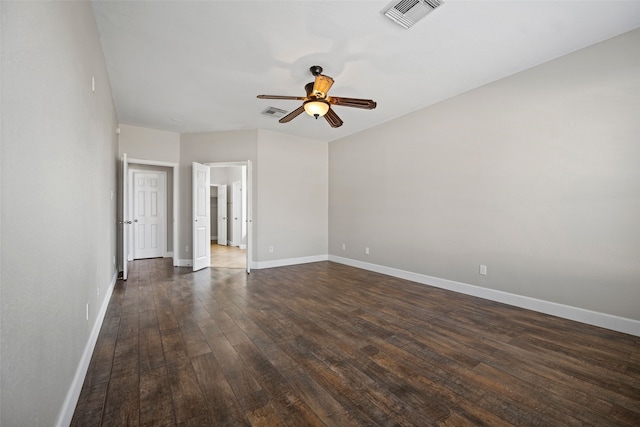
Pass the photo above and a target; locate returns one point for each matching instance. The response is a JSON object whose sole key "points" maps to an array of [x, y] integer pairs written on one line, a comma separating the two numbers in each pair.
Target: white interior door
{"points": [[149, 213], [222, 214], [123, 215], [236, 209], [249, 205], [200, 194]]}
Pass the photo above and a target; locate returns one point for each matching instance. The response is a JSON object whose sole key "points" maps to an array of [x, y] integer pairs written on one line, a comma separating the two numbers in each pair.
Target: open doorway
{"points": [[213, 218], [126, 218]]}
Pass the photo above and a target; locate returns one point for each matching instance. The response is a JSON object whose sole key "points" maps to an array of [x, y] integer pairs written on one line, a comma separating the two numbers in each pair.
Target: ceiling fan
{"points": [[317, 103]]}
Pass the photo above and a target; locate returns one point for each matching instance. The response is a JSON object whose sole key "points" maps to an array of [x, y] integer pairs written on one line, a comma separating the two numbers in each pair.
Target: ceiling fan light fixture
{"points": [[317, 103], [316, 108]]}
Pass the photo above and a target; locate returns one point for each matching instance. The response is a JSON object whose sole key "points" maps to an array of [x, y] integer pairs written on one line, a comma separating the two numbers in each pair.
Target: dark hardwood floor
{"points": [[327, 344]]}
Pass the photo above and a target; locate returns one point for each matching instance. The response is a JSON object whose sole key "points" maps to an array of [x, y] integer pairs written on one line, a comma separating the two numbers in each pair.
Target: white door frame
{"points": [[248, 195], [123, 216], [176, 216]]}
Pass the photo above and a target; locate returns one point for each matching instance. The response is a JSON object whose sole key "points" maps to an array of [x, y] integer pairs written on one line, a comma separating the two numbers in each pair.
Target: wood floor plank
{"points": [[328, 344], [90, 404], [319, 399], [99, 369], [151, 353], [247, 390], [224, 408], [173, 347], [286, 401], [194, 341], [156, 406], [127, 352], [122, 403], [188, 400]]}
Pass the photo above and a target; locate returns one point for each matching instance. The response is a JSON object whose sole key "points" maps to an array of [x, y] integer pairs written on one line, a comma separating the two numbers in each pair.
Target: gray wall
{"points": [[59, 152], [209, 148], [536, 176], [149, 144], [290, 189], [293, 197]]}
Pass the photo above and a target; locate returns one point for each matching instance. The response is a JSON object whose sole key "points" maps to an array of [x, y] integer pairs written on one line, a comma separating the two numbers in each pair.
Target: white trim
{"points": [[152, 163], [73, 394], [243, 246], [183, 262], [168, 255], [603, 320], [226, 164], [248, 195], [289, 261]]}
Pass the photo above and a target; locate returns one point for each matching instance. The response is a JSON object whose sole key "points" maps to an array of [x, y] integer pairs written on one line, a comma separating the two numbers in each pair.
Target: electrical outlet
{"points": [[271, 249], [344, 246], [483, 270], [186, 248], [87, 311], [93, 84], [98, 291], [366, 251]]}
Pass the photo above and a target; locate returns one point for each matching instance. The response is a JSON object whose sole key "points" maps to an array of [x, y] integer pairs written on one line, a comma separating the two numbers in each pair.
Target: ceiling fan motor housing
{"points": [[316, 70]]}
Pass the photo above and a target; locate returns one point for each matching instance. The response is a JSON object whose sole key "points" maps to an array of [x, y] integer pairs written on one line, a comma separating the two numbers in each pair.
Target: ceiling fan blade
{"points": [[292, 98], [321, 86], [367, 104], [292, 115], [333, 119]]}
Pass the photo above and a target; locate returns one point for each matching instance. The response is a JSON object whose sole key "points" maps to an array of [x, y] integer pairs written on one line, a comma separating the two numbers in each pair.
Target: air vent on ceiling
{"points": [[274, 112], [408, 12]]}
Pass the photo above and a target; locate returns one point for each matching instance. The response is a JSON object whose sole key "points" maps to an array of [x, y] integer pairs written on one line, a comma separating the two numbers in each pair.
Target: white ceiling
{"points": [[197, 66]]}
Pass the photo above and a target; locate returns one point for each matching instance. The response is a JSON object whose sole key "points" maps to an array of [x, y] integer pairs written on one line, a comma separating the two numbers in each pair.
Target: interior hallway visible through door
{"points": [[227, 256]]}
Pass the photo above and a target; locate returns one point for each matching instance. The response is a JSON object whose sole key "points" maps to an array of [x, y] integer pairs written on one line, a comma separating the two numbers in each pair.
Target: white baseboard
{"points": [[183, 263], [168, 255], [243, 246], [603, 320], [71, 400], [258, 265]]}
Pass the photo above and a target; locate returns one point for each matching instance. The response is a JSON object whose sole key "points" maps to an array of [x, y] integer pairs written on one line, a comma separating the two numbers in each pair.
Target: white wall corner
{"points": [[603, 320]]}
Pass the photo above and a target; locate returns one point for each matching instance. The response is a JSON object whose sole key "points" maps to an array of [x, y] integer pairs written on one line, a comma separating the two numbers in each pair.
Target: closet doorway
{"points": [[228, 216]]}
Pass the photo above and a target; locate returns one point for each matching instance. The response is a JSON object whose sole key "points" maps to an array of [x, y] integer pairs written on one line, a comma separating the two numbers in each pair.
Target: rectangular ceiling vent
{"points": [[274, 112], [408, 12]]}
